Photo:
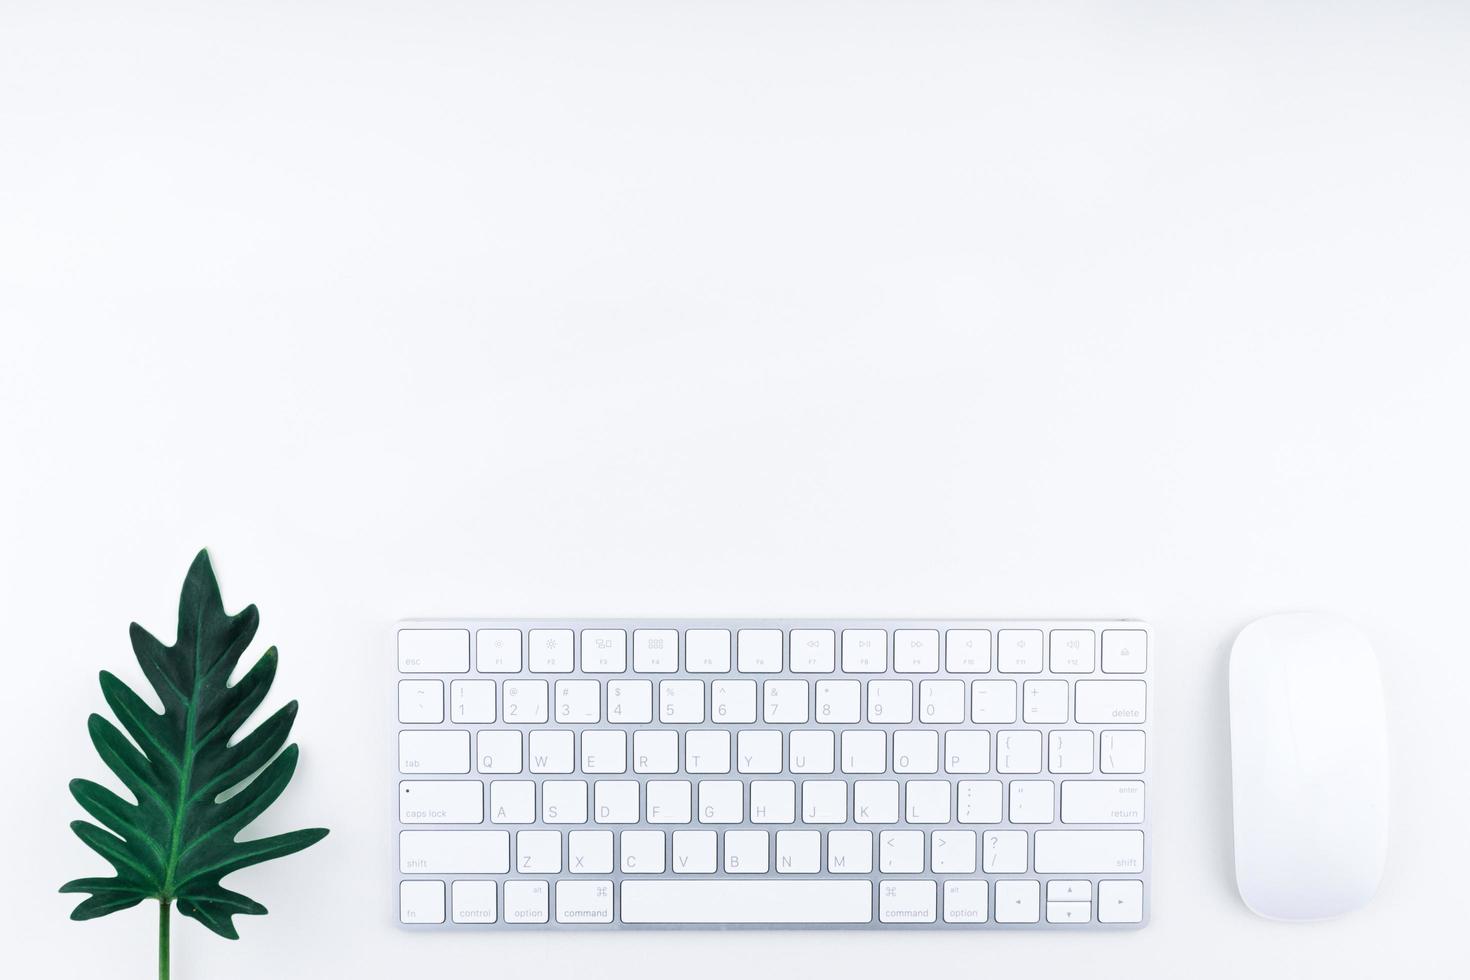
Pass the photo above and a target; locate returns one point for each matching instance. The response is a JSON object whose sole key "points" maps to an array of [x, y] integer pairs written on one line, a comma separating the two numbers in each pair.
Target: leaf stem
{"points": [[163, 909]]}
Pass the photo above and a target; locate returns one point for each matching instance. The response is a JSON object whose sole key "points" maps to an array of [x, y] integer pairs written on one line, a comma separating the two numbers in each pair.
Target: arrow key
{"points": [[1017, 901], [1067, 912], [1120, 900], [1069, 891]]}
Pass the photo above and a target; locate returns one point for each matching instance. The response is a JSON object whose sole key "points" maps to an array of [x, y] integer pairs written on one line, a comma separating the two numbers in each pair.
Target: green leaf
{"points": [[175, 840]]}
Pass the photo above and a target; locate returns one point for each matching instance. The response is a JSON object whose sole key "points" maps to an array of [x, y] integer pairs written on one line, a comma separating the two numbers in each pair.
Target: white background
{"points": [[757, 308]]}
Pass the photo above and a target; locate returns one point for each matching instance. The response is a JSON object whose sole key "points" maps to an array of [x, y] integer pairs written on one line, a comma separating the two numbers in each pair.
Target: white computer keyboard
{"points": [[813, 773]]}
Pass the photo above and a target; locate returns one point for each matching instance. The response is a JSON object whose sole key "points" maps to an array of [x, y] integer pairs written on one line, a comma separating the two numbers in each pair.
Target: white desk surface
{"points": [[747, 308]]}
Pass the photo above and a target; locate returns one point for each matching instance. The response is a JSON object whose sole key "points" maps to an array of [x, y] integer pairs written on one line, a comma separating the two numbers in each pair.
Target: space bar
{"points": [[717, 900]]}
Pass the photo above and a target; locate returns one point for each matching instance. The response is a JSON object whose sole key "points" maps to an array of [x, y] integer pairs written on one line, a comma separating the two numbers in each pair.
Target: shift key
{"points": [[1089, 851]]}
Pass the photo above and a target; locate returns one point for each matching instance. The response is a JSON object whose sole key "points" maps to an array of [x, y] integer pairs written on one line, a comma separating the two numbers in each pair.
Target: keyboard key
{"points": [[839, 702], [993, 702], [901, 852], [967, 652], [1074, 913], [772, 801], [1069, 751], [468, 852], [1089, 851], [523, 702], [890, 702], [669, 801], [1044, 702], [747, 852], [864, 752], [1004, 852], [656, 751], [655, 651], [875, 801], [642, 852], [434, 752], [707, 752], [1120, 901], [589, 852], [472, 702], [1032, 801], [1102, 801], [758, 752], [584, 901], [604, 753], [1019, 651], [498, 651], [721, 801], [813, 651], [563, 801], [551, 651], [707, 651], [498, 751], [630, 702], [823, 801], [446, 801], [538, 851], [927, 801], [1123, 752], [732, 702], [433, 651], [864, 651], [1017, 901], [1069, 891], [771, 902], [604, 651], [978, 801], [916, 651], [1018, 751], [421, 902], [758, 651], [1125, 651], [966, 752], [941, 702], [473, 901], [512, 801], [615, 801], [551, 752], [1110, 702], [526, 901], [952, 852], [965, 901], [798, 852], [1073, 651], [850, 852], [785, 702], [694, 853], [812, 752], [421, 702], [681, 702], [578, 702], [916, 752], [907, 901]]}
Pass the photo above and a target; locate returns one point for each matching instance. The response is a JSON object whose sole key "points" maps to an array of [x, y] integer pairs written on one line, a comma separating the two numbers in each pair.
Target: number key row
{"points": [[778, 702]]}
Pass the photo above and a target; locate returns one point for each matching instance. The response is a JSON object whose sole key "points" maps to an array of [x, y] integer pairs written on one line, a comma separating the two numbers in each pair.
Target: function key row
{"points": [[771, 651]]}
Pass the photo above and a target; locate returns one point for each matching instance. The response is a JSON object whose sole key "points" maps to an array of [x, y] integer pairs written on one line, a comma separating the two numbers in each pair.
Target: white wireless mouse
{"points": [[1309, 763]]}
